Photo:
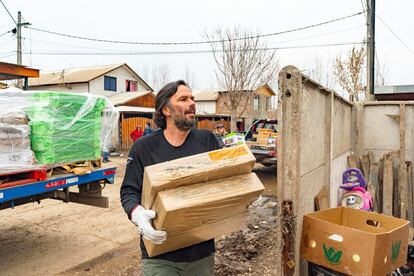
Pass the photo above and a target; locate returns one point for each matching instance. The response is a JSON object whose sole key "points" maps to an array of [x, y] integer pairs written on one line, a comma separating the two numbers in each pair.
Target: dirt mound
{"points": [[247, 251]]}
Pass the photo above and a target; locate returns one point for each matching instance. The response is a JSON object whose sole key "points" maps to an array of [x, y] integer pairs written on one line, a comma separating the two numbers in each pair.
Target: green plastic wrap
{"points": [[39, 128], [65, 127]]}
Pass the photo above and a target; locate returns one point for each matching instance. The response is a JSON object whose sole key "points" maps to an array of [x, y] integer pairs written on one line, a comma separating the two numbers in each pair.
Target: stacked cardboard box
{"points": [[265, 137], [200, 197], [65, 127], [15, 149]]}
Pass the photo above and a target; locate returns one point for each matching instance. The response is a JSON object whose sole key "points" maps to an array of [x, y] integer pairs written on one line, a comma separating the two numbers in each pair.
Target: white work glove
{"points": [[142, 218]]}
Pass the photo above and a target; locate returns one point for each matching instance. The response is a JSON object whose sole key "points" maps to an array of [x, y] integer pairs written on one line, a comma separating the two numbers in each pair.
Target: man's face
{"points": [[181, 108]]}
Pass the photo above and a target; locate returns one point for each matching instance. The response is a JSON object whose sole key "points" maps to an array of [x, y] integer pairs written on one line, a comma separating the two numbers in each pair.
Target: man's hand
{"points": [[142, 218]]}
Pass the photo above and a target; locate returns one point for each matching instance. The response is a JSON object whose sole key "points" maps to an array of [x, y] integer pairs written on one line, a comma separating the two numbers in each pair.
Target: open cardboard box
{"points": [[199, 212], [195, 169], [355, 242]]}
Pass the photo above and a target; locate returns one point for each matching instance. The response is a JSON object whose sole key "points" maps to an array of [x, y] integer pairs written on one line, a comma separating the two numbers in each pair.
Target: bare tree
{"points": [[321, 72], [189, 77], [243, 64], [164, 74], [380, 72], [350, 72], [144, 73], [156, 75]]}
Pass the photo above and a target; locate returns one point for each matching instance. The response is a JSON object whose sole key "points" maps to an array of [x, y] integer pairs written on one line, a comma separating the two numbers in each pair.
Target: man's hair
{"points": [[163, 99]]}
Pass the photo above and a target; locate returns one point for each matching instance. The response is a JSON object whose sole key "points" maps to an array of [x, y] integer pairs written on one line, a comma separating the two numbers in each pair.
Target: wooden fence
{"points": [[128, 125]]}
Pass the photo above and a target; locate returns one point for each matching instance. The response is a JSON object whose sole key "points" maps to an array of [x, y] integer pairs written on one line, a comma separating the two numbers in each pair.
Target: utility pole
{"points": [[19, 36], [370, 46]]}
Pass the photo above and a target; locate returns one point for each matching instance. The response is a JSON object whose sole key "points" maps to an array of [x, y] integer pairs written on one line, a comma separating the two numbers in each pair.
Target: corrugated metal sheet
{"points": [[124, 97], [206, 95], [135, 109], [71, 75]]}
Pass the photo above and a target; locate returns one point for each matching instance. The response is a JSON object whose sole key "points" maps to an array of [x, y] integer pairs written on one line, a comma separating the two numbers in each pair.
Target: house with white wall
{"points": [[104, 80]]}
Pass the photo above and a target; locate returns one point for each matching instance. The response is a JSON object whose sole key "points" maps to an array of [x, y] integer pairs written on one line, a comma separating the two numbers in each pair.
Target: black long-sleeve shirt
{"points": [[153, 149]]}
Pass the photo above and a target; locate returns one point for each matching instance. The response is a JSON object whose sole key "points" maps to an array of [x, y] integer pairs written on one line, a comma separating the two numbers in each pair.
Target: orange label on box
{"points": [[228, 153]]}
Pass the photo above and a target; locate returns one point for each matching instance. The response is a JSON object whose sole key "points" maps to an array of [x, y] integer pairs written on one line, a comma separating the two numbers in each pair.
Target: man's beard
{"points": [[182, 122]]}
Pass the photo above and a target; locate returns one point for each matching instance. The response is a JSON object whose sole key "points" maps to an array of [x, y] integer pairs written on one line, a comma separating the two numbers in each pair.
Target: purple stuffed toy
{"points": [[356, 195]]}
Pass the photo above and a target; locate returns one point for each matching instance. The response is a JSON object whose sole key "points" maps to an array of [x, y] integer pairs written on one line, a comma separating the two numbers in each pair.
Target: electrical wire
{"points": [[10, 55], [196, 42], [8, 12], [121, 51], [323, 34], [74, 46], [185, 52], [5, 33], [7, 42], [389, 28]]}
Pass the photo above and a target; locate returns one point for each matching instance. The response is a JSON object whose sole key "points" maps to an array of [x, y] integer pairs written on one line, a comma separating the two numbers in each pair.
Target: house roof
{"points": [[13, 71], [124, 97], [206, 95], [135, 109], [78, 75], [265, 90]]}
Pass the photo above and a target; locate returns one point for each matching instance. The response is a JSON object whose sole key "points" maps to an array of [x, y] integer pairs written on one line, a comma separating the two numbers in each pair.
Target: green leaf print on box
{"points": [[395, 251], [332, 256]]}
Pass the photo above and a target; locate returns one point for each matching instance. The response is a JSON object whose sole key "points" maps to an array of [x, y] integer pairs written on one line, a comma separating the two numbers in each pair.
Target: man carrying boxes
{"points": [[176, 177]]}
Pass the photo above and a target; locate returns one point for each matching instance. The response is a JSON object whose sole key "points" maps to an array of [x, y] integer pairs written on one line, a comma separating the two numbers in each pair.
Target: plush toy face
{"points": [[357, 198], [352, 200]]}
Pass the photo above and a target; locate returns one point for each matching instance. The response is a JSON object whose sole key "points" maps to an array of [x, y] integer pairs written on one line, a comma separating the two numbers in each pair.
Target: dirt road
{"points": [[66, 238]]}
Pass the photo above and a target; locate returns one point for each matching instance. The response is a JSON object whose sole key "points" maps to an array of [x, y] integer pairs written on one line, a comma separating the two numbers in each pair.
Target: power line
{"points": [[8, 12], [183, 52], [116, 50], [7, 42], [75, 46], [389, 28], [4, 32], [8, 56], [195, 42], [323, 34]]}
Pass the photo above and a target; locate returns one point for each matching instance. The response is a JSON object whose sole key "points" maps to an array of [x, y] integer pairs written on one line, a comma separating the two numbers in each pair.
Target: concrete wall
{"points": [[315, 127], [377, 117], [318, 130]]}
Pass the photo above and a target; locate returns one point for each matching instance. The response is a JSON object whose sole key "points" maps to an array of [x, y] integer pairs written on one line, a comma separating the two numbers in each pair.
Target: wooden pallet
{"points": [[79, 167]]}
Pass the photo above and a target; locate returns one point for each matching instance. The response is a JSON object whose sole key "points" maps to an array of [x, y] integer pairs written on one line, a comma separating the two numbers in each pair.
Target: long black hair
{"points": [[162, 99]]}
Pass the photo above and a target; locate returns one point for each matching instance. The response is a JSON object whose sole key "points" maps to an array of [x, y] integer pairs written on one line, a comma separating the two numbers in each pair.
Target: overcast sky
{"points": [[184, 20]]}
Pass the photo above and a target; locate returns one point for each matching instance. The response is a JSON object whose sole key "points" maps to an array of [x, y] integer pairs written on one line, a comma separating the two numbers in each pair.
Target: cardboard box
{"points": [[354, 242], [264, 130], [199, 212], [194, 169]]}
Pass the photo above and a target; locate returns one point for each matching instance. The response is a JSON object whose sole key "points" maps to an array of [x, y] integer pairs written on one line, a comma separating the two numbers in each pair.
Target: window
{"points": [[109, 83], [256, 102], [130, 86], [271, 103]]}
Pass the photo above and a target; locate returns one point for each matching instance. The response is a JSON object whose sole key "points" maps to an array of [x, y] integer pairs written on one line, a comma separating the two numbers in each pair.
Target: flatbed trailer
{"points": [[57, 187]]}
